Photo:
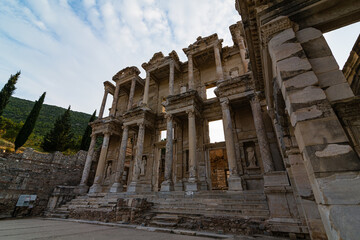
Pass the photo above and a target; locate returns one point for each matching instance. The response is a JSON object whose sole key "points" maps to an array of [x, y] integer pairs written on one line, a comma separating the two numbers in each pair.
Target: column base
{"points": [[167, 186], [192, 185], [235, 183], [81, 189], [95, 188], [134, 187], [116, 188]]}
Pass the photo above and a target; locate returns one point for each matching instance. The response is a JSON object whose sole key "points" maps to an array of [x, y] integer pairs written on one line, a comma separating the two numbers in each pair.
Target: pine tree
{"points": [[29, 124], [86, 138], [60, 137], [7, 91]]}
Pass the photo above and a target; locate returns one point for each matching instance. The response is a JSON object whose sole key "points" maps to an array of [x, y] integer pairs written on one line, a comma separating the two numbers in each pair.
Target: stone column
{"points": [[261, 135], [167, 184], [85, 175], [101, 113], [171, 78], [243, 54], [101, 165], [146, 90], [118, 186], [115, 100], [234, 180], [134, 186], [131, 95], [191, 72], [219, 69], [192, 184]]}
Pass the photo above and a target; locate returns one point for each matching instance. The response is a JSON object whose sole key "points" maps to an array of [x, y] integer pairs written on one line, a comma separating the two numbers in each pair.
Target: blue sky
{"points": [[68, 48]]}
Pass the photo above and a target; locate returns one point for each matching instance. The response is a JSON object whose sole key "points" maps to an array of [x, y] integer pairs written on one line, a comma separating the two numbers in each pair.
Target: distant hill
{"points": [[18, 109]]}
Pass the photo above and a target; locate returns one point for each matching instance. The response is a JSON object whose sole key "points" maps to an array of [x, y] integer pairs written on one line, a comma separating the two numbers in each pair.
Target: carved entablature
{"points": [[159, 60], [107, 125], [203, 43], [109, 87], [235, 88], [275, 26], [139, 115], [126, 75], [181, 103]]}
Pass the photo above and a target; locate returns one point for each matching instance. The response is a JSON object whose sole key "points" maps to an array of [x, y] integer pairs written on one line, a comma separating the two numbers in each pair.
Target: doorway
{"points": [[219, 169]]}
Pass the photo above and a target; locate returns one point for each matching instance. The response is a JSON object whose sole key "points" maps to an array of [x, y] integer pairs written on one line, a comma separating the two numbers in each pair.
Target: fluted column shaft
{"points": [[191, 72], [117, 186], [192, 146], [101, 113], [171, 78], [229, 138], [89, 156], [146, 90], [169, 149], [261, 135], [139, 152], [115, 100], [131, 95], [219, 69]]}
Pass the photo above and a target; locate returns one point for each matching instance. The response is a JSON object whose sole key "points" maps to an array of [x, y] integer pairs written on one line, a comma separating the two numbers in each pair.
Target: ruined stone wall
{"points": [[36, 174]]}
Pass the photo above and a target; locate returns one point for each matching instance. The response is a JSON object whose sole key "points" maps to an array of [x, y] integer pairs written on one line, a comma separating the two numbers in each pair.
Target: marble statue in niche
{"points": [[143, 165], [251, 157], [108, 170]]}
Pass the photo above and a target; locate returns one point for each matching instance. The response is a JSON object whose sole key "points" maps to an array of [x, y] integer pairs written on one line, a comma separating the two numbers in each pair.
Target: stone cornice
{"points": [[202, 43]]}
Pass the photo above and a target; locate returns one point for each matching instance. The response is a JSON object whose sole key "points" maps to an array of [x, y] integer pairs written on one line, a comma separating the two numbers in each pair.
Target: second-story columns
{"points": [[102, 108], [171, 78], [118, 186], [115, 100], [191, 72], [167, 184], [134, 186], [146, 90], [219, 69], [234, 179], [131, 95]]}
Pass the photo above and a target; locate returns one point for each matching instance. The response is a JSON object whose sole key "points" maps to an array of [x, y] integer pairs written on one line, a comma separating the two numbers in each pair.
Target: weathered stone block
{"points": [[324, 64], [308, 34], [319, 131], [339, 91], [331, 78], [317, 48], [281, 37], [277, 178], [341, 221], [331, 158], [305, 114], [305, 96], [292, 66], [301, 81], [284, 51]]}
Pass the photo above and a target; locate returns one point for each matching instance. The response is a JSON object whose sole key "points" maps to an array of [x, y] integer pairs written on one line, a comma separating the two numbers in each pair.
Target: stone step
{"points": [[168, 217], [211, 213], [57, 215], [163, 223], [215, 205]]}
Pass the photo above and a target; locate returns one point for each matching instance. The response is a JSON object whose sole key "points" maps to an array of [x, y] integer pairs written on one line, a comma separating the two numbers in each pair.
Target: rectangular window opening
{"points": [[210, 91], [216, 131]]}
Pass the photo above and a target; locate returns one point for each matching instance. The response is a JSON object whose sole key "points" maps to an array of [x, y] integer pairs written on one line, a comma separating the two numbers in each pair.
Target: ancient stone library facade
{"points": [[289, 164]]}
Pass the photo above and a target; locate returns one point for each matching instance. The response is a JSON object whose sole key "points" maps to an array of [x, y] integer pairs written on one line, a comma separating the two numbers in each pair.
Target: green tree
{"points": [[7, 91], [29, 124], [60, 137], [86, 138]]}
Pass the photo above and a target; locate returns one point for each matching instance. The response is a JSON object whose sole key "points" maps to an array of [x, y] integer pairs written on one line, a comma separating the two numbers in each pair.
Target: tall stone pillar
{"points": [[146, 90], [115, 100], [234, 179], [192, 184], [131, 95], [171, 78], [191, 72], [101, 113], [118, 186], [219, 69], [167, 184], [134, 185], [101, 165], [261, 135], [85, 175], [243, 54]]}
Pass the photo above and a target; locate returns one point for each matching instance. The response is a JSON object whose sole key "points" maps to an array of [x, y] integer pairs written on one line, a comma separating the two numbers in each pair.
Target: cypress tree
{"points": [[29, 124], [7, 91], [60, 137], [86, 139]]}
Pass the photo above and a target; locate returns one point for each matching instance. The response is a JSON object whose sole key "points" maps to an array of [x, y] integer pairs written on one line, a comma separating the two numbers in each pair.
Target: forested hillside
{"points": [[18, 109]]}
